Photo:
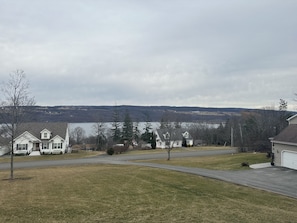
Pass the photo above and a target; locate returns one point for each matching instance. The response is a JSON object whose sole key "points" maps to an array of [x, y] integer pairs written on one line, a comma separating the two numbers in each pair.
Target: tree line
{"points": [[123, 131], [250, 130]]}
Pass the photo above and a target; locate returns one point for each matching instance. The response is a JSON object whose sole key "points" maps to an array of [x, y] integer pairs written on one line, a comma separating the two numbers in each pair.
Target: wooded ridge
{"points": [[76, 114]]}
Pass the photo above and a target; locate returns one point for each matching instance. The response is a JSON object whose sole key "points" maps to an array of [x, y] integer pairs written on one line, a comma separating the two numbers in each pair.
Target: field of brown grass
{"points": [[113, 193]]}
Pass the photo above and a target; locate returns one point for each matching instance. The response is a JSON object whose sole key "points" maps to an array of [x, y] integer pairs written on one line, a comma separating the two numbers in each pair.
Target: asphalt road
{"points": [[278, 180], [114, 159]]}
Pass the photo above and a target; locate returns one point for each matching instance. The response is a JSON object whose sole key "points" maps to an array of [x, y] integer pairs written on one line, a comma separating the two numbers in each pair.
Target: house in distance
{"points": [[46, 138], [175, 138]]}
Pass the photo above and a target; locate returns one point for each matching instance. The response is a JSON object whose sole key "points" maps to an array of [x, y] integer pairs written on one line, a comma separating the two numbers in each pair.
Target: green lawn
{"points": [[113, 193], [219, 162]]}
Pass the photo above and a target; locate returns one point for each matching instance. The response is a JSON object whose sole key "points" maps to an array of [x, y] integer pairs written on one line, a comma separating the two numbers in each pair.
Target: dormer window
{"points": [[186, 135], [45, 134], [166, 135]]}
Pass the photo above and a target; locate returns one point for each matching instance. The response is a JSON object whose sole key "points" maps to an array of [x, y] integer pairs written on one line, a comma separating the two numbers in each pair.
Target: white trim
{"points": [[285, 143], [282, 157], [24, 134], [292, 117], [57, 137]]}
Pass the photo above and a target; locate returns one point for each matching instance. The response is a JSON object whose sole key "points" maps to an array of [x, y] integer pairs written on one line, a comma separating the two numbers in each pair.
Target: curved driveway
{"points": [[278, 180]]}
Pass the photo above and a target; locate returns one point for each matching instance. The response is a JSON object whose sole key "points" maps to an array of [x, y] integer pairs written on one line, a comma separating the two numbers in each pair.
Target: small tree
{"points": [[170, 138], [127, 132], [146, 135], [153, 141], [100, 136], [116, 132], [136, 133], [78, 135], [14, 102]]}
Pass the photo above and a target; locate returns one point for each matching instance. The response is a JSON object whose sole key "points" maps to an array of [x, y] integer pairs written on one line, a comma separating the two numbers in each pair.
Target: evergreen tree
{"points": [[146, 136], [127, 128], [165, 122], [153, 141], [116, 131], [136, 132]]}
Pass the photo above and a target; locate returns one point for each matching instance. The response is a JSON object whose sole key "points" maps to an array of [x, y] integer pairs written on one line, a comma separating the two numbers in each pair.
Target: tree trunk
{"points": [[11, 162], [168, 152]]}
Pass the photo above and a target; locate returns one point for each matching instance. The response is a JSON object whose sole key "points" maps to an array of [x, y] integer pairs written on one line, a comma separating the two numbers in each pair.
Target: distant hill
{"points": [[77, 114]]}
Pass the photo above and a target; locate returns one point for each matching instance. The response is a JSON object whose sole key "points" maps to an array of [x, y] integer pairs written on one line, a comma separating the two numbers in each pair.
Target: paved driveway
{"points": [[278, 180], [273, 179]]}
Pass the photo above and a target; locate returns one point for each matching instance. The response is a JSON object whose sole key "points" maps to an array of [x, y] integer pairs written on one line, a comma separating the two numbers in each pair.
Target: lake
{"points": [[89, 126]]}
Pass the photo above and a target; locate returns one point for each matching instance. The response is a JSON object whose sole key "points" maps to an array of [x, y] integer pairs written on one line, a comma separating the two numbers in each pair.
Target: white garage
{"points": [[284, 145], [289, 159]]}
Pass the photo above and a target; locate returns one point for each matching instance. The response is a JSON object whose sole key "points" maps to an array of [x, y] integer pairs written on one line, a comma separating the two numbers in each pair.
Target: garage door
{"points": [[289, 159]]}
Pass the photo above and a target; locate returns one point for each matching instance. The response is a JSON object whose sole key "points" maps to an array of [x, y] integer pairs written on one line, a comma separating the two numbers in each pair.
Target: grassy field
{"points": [[221, 162], [83, 154], [77, 155], [111, 193], [176, 150]]}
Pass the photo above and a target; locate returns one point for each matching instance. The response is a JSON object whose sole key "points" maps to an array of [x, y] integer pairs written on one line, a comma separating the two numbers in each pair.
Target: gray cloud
{"points": [[197, 53]]}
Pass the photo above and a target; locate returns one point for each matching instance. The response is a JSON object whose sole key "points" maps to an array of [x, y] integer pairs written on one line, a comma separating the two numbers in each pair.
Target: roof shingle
{"points": [[57, 128], [289, 134]]}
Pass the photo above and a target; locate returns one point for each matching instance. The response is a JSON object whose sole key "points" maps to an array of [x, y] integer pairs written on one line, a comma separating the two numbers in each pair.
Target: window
{"points": [[22, 146], [45, 135], [57, 145], [45, 145], [166, 135]]}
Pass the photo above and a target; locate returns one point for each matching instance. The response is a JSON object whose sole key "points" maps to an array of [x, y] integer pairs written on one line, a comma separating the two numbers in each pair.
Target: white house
{"points": [[176, 138], [284, 145], [47, 138]]}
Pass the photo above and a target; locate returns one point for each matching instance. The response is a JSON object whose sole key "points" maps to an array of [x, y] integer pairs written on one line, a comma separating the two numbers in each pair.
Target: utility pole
{"points": [[241, 134], [232, 139]]}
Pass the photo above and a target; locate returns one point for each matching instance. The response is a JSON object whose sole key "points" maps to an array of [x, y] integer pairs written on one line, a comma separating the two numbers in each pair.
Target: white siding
{"points": [[278, 149]]}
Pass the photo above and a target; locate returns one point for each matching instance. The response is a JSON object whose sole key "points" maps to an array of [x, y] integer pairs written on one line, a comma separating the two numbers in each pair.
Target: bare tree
{"points": [[170, 135], [14, 102], [78, 135], [99, 130], [170, 138]]}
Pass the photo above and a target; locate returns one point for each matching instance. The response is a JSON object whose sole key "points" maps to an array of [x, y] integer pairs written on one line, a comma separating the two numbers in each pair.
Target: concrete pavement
{"points": [[273, 179]]}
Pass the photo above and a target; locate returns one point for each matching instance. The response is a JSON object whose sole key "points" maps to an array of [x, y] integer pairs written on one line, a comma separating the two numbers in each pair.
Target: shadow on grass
{"points": [[17, 178]]}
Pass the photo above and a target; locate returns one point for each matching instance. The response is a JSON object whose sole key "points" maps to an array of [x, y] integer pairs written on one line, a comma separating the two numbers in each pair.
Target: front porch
{"points": [[35, 153]]}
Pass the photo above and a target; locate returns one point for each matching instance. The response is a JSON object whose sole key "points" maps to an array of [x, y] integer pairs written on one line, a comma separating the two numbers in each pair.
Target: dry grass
{"points": [[76, 155], [111, 193], [84, 154], [176, 150], [218, 162]]}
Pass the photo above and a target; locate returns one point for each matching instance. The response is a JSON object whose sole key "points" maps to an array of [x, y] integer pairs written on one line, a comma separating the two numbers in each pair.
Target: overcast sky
{"points": [[218, 53]]}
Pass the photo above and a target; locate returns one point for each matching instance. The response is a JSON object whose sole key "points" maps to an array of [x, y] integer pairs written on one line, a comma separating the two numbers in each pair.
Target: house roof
{"points": [[292, 117], [289, 134], [56, 128], [176, 134]]}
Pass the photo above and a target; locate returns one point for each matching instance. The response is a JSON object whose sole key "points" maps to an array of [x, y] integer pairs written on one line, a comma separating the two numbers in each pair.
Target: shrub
{"points": [[110, 151], [245, 164], [118, 149]]}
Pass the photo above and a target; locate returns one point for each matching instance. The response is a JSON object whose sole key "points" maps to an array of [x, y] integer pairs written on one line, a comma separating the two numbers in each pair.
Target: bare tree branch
{"points": [[15, 99]]}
